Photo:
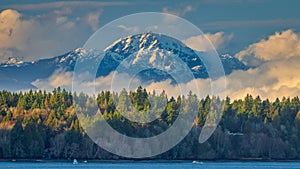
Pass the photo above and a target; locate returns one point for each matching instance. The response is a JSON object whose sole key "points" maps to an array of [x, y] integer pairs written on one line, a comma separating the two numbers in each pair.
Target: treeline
{"points": [[44, 125]]}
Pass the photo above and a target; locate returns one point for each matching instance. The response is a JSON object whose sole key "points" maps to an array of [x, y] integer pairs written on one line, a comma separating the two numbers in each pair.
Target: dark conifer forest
{"points": [[44, 125]]}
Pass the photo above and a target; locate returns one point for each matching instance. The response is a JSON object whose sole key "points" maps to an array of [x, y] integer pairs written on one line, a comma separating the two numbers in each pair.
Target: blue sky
{"points": [[248, 20], [261, 33]]}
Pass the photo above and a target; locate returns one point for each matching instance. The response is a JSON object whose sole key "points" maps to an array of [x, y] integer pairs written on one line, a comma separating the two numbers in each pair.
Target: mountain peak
{"points": [[138, 51], [146, 41], [72, 56], [152, 50], [13, 61]]}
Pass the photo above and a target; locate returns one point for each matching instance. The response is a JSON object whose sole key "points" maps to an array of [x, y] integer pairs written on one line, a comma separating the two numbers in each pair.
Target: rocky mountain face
{"points": [[156, 57]]}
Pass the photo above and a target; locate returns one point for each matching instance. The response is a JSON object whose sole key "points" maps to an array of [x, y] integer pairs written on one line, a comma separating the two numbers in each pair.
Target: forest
{"points": [[45, 125]]}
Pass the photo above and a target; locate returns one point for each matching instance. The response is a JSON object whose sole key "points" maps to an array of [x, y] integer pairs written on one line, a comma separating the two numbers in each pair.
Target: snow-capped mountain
{"points": [[12, 61], [20, 75], [138, 51], [152, 50]]}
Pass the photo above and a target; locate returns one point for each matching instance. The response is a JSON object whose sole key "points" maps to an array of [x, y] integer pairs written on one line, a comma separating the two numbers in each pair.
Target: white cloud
{"points": [[63, 11], [61, 4], [201, 43], [270, 80], [61, 20], [281, 45], [274, 23], [59, 78], [13, 31], [43, 36], [167, 86], [178, 12], [277, 76], [132, 30], [85, 82], [93, 20]]}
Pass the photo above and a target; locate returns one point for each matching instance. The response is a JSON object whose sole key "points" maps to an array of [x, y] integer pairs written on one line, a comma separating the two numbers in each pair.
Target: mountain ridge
{"points": [[147, 49]]}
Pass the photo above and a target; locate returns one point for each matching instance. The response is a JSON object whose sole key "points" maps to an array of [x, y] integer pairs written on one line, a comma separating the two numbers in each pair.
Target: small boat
{"points": [[85, 161], [75, 162], [197, 162]]}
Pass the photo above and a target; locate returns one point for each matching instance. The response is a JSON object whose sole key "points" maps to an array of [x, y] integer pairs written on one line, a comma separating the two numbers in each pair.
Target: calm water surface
{"points": [[152, 165]]}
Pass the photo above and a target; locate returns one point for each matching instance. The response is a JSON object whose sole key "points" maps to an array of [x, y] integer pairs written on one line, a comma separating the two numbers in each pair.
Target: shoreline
{"points": [[144, 160]]}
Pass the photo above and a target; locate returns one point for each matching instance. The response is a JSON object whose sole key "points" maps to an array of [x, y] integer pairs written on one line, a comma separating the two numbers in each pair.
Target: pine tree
{"points": [[17, 137]]}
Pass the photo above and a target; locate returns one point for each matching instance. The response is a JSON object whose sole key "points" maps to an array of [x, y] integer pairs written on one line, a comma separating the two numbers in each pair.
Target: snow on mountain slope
{"points": [[141, 50], [12, 61]]}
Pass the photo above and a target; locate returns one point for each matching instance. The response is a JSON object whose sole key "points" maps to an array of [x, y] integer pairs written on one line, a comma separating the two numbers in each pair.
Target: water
{"points": [[151, 165]]}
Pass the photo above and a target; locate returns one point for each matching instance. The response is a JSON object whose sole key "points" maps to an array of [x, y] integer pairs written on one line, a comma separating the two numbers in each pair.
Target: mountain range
{"points": [[140, 51]]}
